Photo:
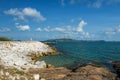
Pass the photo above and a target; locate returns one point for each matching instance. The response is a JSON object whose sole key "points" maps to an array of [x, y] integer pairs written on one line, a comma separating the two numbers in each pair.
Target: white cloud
{"points": [[23, 27], [70, 30], [112, 31], [47, 29], [39, 29], [24, 13], [30, 12], [15, 12], [109, 32], [5, 30], [87, 35], [81, 25], [58, 29]]}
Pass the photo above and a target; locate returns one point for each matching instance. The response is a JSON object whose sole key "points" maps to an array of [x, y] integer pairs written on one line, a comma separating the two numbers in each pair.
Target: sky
{"points": [[51, 19]]}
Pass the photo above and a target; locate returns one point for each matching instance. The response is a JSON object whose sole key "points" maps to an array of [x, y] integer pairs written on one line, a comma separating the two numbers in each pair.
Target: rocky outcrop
{"points": [[88, 72], [91, 72], [116, 66], [17, 62], [18, 54]]}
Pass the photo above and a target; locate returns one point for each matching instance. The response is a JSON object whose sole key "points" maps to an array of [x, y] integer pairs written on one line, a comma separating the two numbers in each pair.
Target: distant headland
{"points": [[69, 40]]}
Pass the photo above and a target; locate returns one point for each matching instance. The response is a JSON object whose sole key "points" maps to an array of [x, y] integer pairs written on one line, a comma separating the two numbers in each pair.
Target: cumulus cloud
{"points": [[58, 29], [23, 27], [39, 29], [81, 25], [15, 12], [5, 30], [22, 14]]}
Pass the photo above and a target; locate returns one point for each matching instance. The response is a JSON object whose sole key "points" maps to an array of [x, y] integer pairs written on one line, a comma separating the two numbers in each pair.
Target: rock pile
{"points": [[17, 54], [88, 72]]}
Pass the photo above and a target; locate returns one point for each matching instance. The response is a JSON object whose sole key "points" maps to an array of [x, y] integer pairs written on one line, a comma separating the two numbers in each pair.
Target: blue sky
{"points": [[50, 19]]}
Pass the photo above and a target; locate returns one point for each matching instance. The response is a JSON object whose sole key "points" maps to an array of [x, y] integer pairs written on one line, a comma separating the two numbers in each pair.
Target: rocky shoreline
{"points": [[18, 62], [116, 66], [21, 55], [88, 72]]}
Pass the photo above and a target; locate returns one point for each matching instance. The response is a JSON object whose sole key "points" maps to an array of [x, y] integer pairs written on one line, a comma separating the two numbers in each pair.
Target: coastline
{"points": [[22, 54], [86, 72], [25, 67]]}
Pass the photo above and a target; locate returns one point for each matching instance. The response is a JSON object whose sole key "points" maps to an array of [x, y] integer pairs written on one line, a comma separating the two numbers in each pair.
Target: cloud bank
{"points": [[69, 30]]}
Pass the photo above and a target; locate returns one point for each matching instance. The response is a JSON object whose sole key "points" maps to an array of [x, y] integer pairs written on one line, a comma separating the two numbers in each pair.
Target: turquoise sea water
{"points": [[82, 52]]}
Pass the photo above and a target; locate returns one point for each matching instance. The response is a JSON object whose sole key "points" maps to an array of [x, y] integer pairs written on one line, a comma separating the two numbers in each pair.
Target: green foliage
{"points": [[5, 39], [14, 71]]}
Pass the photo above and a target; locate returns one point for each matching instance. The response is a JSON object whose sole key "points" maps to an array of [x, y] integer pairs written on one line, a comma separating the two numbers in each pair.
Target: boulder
{"points": [[116, 66], [90, 72]]}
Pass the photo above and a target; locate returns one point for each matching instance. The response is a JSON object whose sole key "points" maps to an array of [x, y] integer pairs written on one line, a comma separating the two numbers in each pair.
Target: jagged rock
{"points": [[50, 66], [91, 72], [88, 72], [17, 54], [116, 66]]}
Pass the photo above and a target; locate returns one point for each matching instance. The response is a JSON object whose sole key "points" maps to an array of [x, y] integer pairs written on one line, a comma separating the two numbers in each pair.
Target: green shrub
{"points": [[5, 39]]}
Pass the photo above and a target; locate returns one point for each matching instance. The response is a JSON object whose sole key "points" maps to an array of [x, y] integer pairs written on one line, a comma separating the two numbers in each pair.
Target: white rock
{"points": [[1, 72], [18, 77], [13, 78], [15, 53], [7, 73], [42, 79], [36, 76]]}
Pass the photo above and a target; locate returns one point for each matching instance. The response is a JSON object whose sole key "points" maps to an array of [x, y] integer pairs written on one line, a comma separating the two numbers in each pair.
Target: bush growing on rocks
{"points": [[5, 39]]}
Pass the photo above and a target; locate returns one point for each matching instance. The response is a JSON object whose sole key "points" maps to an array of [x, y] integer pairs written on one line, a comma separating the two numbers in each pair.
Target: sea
{"points": [[76, 53]]}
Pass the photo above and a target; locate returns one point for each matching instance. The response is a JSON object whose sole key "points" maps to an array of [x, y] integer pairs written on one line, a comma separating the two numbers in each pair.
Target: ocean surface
{"points": [[84, 52]]}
